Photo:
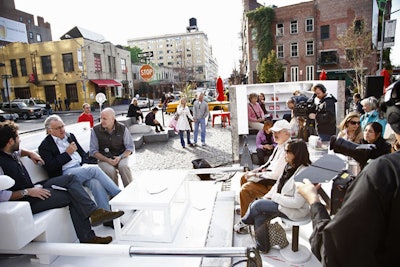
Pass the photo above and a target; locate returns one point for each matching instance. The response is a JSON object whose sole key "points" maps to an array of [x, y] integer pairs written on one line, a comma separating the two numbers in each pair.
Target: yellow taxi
{"points": [[213, 104]]}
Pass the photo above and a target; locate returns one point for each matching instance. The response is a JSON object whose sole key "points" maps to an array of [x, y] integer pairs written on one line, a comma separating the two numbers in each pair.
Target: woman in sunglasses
{"points": [[349, 128]]}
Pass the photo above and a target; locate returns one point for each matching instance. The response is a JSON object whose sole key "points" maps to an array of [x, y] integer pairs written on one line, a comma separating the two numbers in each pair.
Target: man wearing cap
{"points": [[256, 183]]}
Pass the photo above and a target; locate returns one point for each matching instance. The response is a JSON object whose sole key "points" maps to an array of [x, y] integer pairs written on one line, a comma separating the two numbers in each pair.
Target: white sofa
{"points": [[19, 226]]}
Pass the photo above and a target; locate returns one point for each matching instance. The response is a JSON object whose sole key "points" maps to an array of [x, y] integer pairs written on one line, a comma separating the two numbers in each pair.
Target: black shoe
{"points": [[100, 216], [157, 131], [99, 240], [110, 224], [162, 130]]}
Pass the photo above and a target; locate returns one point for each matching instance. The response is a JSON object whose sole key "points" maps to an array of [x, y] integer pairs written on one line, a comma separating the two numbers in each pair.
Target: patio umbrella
{"points": [[220, 89]]}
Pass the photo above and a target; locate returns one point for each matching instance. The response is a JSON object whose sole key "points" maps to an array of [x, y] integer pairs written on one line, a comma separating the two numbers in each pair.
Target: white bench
{"points": [[19, 226]]}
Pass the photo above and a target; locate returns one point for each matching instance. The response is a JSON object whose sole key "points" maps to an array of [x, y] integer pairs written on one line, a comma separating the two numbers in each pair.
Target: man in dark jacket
{"points": [[325, 113], [365, 231]]}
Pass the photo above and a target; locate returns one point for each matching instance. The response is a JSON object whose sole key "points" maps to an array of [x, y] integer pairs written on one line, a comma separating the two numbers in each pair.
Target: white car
{"points": [[8, 116], [143, 102]]}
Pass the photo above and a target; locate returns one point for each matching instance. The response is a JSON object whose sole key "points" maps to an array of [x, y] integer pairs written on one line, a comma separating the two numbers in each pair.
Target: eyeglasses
{"points": [[58, 128], [354, 122]]}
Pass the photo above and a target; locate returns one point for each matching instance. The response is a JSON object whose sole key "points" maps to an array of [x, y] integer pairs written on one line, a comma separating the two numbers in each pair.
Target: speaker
{"points": [[373, 86]]}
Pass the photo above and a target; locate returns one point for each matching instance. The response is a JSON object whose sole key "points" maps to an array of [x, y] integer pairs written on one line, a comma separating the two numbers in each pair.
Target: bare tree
{"points": [[358, 49]]}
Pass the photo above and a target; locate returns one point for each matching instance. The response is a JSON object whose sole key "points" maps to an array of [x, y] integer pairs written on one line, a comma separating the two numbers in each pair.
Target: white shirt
{"points": [[62, 145]]}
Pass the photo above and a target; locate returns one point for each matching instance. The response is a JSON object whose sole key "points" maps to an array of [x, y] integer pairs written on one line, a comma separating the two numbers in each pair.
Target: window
{"points": [[358, 26], [123, 65], [280, 53], [253, 34], [97, 62], [22, 63], [14, 69], [68, 62], [280, 29], [324, 32], [294, 74], [254, 53], [111, 65], [309, 73], [72, 92], [310, 25], [46, 64], [310, 48], [329, 57], [293, 27], [30, 35], [294, 51], [38, 37]]}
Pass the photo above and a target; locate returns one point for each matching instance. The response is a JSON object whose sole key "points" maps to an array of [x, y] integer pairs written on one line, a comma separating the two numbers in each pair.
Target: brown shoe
{"points": [[99, 240], [101, 215]]}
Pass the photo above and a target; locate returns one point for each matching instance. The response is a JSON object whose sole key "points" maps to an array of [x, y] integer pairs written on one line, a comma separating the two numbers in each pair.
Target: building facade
{"points": [[74, 69], [188, 54], [306, 38]]}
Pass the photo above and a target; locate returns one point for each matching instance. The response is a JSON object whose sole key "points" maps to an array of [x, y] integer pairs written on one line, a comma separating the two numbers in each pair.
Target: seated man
{"points": [[111, 143], [62, 154], [84, 212], [151, 120], [256, 183]]}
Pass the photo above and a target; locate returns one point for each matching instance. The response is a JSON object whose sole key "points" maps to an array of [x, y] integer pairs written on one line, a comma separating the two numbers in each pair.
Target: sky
{"points": [[120, 20]]}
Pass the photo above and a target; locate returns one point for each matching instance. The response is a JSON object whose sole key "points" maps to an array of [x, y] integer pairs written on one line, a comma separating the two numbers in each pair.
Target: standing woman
{"points": [[282, 200], [350, 129], [183, 124], [373, 135]]}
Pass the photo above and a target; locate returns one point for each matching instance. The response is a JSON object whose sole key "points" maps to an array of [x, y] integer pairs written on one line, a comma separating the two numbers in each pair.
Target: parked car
{"points": [[8, 116], [33, 102], [144, 102], [22, 110]]}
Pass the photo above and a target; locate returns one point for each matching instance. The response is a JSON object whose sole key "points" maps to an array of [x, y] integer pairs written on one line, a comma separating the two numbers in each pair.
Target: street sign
{"points": [[145, 54], [146, 72]]}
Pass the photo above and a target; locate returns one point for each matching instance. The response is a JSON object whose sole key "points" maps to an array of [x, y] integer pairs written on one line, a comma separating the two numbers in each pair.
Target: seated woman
{"points": [[151, 120], [350, 129], [282, 200], [373, 135], [255, 113], [134, 110], [265, 142]]}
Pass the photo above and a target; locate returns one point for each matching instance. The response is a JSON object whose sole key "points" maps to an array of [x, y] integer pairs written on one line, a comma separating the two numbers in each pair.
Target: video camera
{"points": [[304, 108], [359, 152]]}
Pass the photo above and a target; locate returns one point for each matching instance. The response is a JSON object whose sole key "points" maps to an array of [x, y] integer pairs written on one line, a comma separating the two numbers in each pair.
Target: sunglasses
{"points": [[354, 122]]}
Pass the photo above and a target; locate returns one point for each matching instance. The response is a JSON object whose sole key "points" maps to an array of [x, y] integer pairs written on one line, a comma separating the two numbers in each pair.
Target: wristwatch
{"points": [[24, 192]]}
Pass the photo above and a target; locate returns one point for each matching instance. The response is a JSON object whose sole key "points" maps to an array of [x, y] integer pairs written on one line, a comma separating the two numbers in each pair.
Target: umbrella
{"points": [[220, 89]]}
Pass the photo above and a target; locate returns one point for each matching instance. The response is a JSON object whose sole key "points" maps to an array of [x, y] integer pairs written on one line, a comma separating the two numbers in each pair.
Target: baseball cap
{"points": [[280, 125]]}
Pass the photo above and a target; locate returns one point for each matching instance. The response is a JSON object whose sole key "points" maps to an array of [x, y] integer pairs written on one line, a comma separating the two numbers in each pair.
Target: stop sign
{"points": [[146, 72]]}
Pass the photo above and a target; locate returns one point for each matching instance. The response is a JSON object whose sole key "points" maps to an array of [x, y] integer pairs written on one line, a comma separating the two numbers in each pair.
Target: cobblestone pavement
{"points": [[171, 155]]}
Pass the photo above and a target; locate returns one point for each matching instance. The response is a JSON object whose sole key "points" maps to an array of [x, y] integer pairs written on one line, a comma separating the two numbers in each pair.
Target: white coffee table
{"points": [[160, 199]]}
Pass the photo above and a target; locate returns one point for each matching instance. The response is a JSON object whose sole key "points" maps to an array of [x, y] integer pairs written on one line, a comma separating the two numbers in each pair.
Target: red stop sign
{"points": [[146, 72]]}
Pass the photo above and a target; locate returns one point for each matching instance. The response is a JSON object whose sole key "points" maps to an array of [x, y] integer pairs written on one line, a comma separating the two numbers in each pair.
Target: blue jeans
{"points": [[101, 186], [183, 139], [202, 123]]}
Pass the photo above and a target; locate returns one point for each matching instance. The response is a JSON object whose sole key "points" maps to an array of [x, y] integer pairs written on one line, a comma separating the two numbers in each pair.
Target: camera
{"points": [[304, 108], [359, 152]]}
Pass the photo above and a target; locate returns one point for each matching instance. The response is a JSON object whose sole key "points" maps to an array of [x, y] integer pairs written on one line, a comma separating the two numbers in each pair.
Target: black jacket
{"points": [[365, 231], [54, 160], [326, 115]]}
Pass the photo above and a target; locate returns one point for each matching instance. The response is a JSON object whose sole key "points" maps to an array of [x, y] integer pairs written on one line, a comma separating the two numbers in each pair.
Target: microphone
{"points": [[69, 139]]}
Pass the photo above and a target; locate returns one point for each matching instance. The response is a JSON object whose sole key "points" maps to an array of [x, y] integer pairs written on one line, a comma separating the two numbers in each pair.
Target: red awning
{"points": [[106, 83]]}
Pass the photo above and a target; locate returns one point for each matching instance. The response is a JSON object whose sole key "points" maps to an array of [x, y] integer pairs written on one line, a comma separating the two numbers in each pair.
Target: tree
{"points": [[270, 69], [358, 47]]}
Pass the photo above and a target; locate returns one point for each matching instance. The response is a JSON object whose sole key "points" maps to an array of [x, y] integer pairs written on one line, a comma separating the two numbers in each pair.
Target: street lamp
{"points": [[80, 55]]}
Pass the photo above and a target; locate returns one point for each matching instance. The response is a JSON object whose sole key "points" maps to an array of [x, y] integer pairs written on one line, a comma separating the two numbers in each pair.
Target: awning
{"points": [[106, 83]]}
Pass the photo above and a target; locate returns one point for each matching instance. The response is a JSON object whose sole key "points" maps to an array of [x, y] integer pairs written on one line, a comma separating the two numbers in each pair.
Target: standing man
{"points": [[63, 154], [111, 143], [325, 113], [200, 113], [84, 212], [86, 115]]}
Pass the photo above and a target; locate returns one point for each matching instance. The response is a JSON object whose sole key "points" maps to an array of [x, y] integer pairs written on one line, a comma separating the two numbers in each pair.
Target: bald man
{"points": [[111, 143]]}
